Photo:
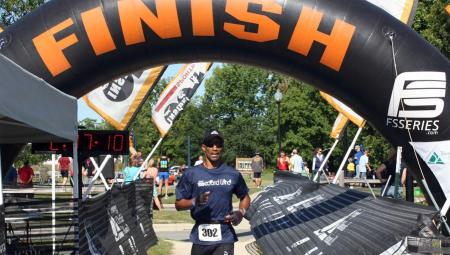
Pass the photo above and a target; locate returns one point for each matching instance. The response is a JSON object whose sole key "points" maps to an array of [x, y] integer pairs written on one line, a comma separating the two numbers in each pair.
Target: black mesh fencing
{"points": [[118, 221], [2, 230], [296, 216]]}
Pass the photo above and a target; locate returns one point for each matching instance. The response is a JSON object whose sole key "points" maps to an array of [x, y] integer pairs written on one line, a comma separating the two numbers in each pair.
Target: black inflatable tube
{"points": [[353, 61]]}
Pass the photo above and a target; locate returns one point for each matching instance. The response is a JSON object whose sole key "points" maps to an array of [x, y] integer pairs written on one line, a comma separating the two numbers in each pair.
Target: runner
{"points": [[207, 190]]}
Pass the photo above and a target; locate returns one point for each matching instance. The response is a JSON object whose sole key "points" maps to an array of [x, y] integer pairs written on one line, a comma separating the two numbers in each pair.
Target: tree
{"points": [[433, 23], [12, 10]]}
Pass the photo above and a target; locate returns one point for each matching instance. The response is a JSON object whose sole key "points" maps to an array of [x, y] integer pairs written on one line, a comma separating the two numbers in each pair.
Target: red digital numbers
{"points": [[116, 141]]}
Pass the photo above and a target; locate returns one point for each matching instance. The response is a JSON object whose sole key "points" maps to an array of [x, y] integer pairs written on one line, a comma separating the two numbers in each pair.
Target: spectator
{"points": [[164, 175], [350, 168], [88, 169], [364, 165], [64, 165], [356, 156], [11, 176], [386, 169], [318, 160], [257, 168], [26, 175], [199, 161], [297, 163], [150, 174], [131, 170], [283, 162]]}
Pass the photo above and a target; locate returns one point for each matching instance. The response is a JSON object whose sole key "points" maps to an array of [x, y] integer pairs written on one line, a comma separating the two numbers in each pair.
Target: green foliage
{"points": [[34, 159], [433, 23], [12, 10]]}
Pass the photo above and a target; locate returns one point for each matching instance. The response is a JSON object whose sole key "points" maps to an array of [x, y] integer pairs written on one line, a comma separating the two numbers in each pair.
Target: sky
{"points": [[85, 111]]}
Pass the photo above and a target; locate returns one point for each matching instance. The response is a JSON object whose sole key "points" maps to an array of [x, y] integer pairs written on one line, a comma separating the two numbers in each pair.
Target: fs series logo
{"points": [[417, 99]]}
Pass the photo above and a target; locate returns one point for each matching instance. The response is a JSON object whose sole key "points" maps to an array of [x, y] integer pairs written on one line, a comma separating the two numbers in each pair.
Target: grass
{"points": [[162, 248], [166, 217]]}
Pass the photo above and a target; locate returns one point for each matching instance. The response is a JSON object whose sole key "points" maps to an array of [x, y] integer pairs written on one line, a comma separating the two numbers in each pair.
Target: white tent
{"points": [[31, 110]]}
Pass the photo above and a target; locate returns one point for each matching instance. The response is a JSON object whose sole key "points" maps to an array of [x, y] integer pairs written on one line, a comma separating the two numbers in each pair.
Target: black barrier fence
{"points": [[118, 221], [297, 216], [28, 225], [2, 230]]}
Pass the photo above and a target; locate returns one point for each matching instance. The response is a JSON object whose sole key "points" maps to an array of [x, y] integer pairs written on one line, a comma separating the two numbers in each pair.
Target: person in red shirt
{"points": [[64, 165], [283, 162], [26, 175]]}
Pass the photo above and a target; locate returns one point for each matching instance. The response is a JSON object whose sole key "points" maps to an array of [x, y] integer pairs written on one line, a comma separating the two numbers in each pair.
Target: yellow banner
{"points": [[339, 125], [344, 109], [118, 101]]}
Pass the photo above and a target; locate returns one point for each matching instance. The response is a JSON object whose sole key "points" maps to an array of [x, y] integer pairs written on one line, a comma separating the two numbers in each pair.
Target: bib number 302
{"points": [[209, 232]]}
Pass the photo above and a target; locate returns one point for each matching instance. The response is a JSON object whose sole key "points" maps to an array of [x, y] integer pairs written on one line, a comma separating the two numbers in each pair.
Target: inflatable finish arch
{"points": [[341, 46]]}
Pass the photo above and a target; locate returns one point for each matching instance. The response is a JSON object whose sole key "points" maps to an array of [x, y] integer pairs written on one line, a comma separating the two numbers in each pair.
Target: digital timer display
{"points": [[90, 143]]}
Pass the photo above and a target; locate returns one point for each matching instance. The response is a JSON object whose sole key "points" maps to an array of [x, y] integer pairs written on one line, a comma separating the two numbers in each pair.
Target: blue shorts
{"points": [[163, 176]]}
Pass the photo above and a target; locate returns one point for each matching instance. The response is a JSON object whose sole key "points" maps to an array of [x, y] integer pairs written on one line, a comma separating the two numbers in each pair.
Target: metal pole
{"points": [[279, 130], [53, 201], [347, 153], [397, 172], [188, 161], [148, 158], [1, 181], [386, 185]]}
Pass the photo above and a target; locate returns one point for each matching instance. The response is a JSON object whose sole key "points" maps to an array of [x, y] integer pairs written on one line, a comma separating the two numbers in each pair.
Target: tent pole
{"points": [[1, 181], [148, 158], [347, 153], [53, 201]]}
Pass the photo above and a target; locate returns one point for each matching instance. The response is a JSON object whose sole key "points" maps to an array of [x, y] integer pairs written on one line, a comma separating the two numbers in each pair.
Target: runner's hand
{"points": [[202, 199], [235, 217]]}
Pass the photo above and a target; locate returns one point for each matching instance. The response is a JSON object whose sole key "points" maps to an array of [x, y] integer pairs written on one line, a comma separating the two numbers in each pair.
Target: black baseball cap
{"points": [[213, 137]]}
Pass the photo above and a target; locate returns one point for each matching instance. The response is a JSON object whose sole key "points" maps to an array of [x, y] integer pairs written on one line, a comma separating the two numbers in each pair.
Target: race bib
{"points": [[209, 232]]}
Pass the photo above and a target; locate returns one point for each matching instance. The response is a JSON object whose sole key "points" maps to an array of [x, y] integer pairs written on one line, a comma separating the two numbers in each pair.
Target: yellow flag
{"points": [[339, 125], [344, 109]]}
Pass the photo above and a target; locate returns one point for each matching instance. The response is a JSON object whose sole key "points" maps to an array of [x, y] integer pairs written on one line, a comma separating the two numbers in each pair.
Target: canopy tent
{"points": [[31, 110]]}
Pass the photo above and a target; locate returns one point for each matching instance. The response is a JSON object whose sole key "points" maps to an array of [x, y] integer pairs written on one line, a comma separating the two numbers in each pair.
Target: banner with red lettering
{"points": [[118, 101], [177, 94]]}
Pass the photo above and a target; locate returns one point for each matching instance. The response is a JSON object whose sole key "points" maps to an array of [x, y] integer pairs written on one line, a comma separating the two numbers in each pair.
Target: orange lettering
{"points": [[306, 32], [133, 12], [97, 31], [267, 28], [202, 18], [51, 51]]}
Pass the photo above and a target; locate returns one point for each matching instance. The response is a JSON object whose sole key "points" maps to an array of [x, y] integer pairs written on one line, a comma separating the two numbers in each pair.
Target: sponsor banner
{"points": [[177, 94], [403, 10], [119, 221], [437, 157], [417, 100], [344, 109], [339, 125], [119, 100]]}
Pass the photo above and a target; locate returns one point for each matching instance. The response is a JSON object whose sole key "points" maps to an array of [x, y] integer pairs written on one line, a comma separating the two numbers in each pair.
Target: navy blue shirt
{"points": [[221, 182]]}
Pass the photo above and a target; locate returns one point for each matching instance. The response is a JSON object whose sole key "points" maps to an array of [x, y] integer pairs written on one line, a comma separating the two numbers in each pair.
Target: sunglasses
{"points": [[211, 144]]}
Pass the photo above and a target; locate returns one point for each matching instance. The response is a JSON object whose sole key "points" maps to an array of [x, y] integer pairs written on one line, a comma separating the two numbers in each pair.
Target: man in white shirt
{"points": [[296, 162], [363, 165]]}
